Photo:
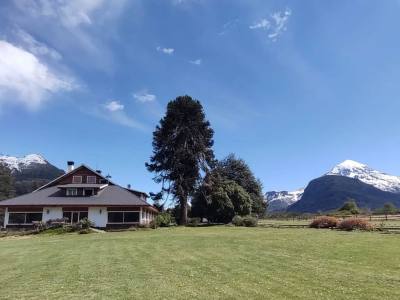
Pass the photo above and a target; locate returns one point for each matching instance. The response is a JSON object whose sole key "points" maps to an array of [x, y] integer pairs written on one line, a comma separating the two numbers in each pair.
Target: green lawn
{"points": [[202, 263]]}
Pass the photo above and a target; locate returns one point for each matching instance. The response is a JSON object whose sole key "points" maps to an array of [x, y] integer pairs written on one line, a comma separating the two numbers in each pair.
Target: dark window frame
{"points": [[123, 217]]}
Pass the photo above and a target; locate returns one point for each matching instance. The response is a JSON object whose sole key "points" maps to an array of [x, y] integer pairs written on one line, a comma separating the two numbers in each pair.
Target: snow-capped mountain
{"points": [[19, 163], [353, 169], [279, 201], [29, 172]]}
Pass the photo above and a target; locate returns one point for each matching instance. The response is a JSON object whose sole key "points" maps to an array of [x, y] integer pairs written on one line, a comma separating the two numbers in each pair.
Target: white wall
{"points": [[6, 217], [54, 213], [99, 219]]}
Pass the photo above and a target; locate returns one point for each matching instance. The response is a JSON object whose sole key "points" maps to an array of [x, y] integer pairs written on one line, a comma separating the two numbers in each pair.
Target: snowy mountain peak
{"points": [[281, 200], [362, 172], [348, 168], [18, 163]]}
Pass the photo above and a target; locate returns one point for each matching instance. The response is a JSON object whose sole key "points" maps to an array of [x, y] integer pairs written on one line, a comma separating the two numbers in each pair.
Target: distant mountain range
{"points": [[30, 172], [349, 179]]}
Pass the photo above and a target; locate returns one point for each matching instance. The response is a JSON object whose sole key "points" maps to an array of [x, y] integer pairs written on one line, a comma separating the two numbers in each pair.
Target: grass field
{"points": [[202, 263]]}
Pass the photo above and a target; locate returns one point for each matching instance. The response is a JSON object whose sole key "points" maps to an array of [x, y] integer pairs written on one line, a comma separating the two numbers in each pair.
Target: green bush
{"points": [[355, 223], [250, 221], [324, 222], [153, 224], [237, 221], [163, 219], [85, 223]]}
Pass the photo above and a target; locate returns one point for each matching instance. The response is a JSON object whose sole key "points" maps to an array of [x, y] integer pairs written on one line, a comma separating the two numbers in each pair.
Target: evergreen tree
{"points": [[182, 150], [237, 170], [219, 199], [6, 183]]}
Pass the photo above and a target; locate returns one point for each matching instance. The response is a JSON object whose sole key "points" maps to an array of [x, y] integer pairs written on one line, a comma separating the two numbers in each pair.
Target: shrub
{"points": [[355, 223], [163, 219], [237, 221], [85, 223], [250, 221], [194, 222], [55, 223], [324, 222], [350, 207], [153, 224]]}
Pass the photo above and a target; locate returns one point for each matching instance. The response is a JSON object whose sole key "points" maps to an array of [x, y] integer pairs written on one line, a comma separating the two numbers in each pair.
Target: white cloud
{"points": [[168, 51], [27, 80], [114, 106], [275, 25], [115, 112], [196, 62], [35, 46], [263, 23], [71, 13], [281, 19], [143, 96]]}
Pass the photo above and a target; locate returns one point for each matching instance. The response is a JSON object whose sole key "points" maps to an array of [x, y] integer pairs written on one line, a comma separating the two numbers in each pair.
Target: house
{"points": [[80, 193]]}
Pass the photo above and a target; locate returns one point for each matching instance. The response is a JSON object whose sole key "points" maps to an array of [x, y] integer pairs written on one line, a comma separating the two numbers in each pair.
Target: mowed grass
{"points": [[202, 263]]}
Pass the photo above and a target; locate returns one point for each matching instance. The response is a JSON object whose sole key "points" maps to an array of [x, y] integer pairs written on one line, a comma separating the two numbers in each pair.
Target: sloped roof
{"points": [[53, 196], [53, 182]]}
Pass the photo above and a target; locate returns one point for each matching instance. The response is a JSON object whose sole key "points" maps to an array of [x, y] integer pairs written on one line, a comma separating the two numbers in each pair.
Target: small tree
{"points": [[350, 206], [389, 209]]}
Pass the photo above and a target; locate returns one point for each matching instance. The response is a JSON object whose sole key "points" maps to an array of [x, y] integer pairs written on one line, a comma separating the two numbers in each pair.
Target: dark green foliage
{"points": [[163, 219], [229, 189], [350, 206], [237, 170], [6, 183], [85, 223], [250, 221], [237, 221], [219, 200], [329, 192], [182, 148]]}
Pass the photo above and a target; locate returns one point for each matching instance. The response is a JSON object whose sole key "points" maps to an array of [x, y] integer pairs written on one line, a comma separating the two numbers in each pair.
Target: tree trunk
{"points": [[183, 218]]}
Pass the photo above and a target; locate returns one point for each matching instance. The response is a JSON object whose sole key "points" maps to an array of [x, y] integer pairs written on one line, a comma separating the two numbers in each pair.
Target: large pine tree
{"points": [[182, 150]]}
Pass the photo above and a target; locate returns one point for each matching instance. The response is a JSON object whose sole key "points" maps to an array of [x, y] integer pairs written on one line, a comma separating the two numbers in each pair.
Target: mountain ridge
{"points": [[30, 171], [279, 201]]}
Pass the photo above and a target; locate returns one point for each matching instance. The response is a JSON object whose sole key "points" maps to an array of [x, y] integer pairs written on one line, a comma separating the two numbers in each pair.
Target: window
{"points": [[91, 179], [72, 192], [115, 217], [33, 217], [24, 218], [123, 217], [16, 218], [76, 179], [131, 217], [67, 215], [89, 192], [74, 216], [103, 181]]}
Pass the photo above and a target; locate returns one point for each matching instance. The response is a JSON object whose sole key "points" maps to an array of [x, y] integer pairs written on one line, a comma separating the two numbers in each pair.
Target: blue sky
{"points": [[292, 87]]}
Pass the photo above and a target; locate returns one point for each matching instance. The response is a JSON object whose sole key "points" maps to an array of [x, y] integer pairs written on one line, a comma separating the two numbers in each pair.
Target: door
{"points": [[75, 217]]}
